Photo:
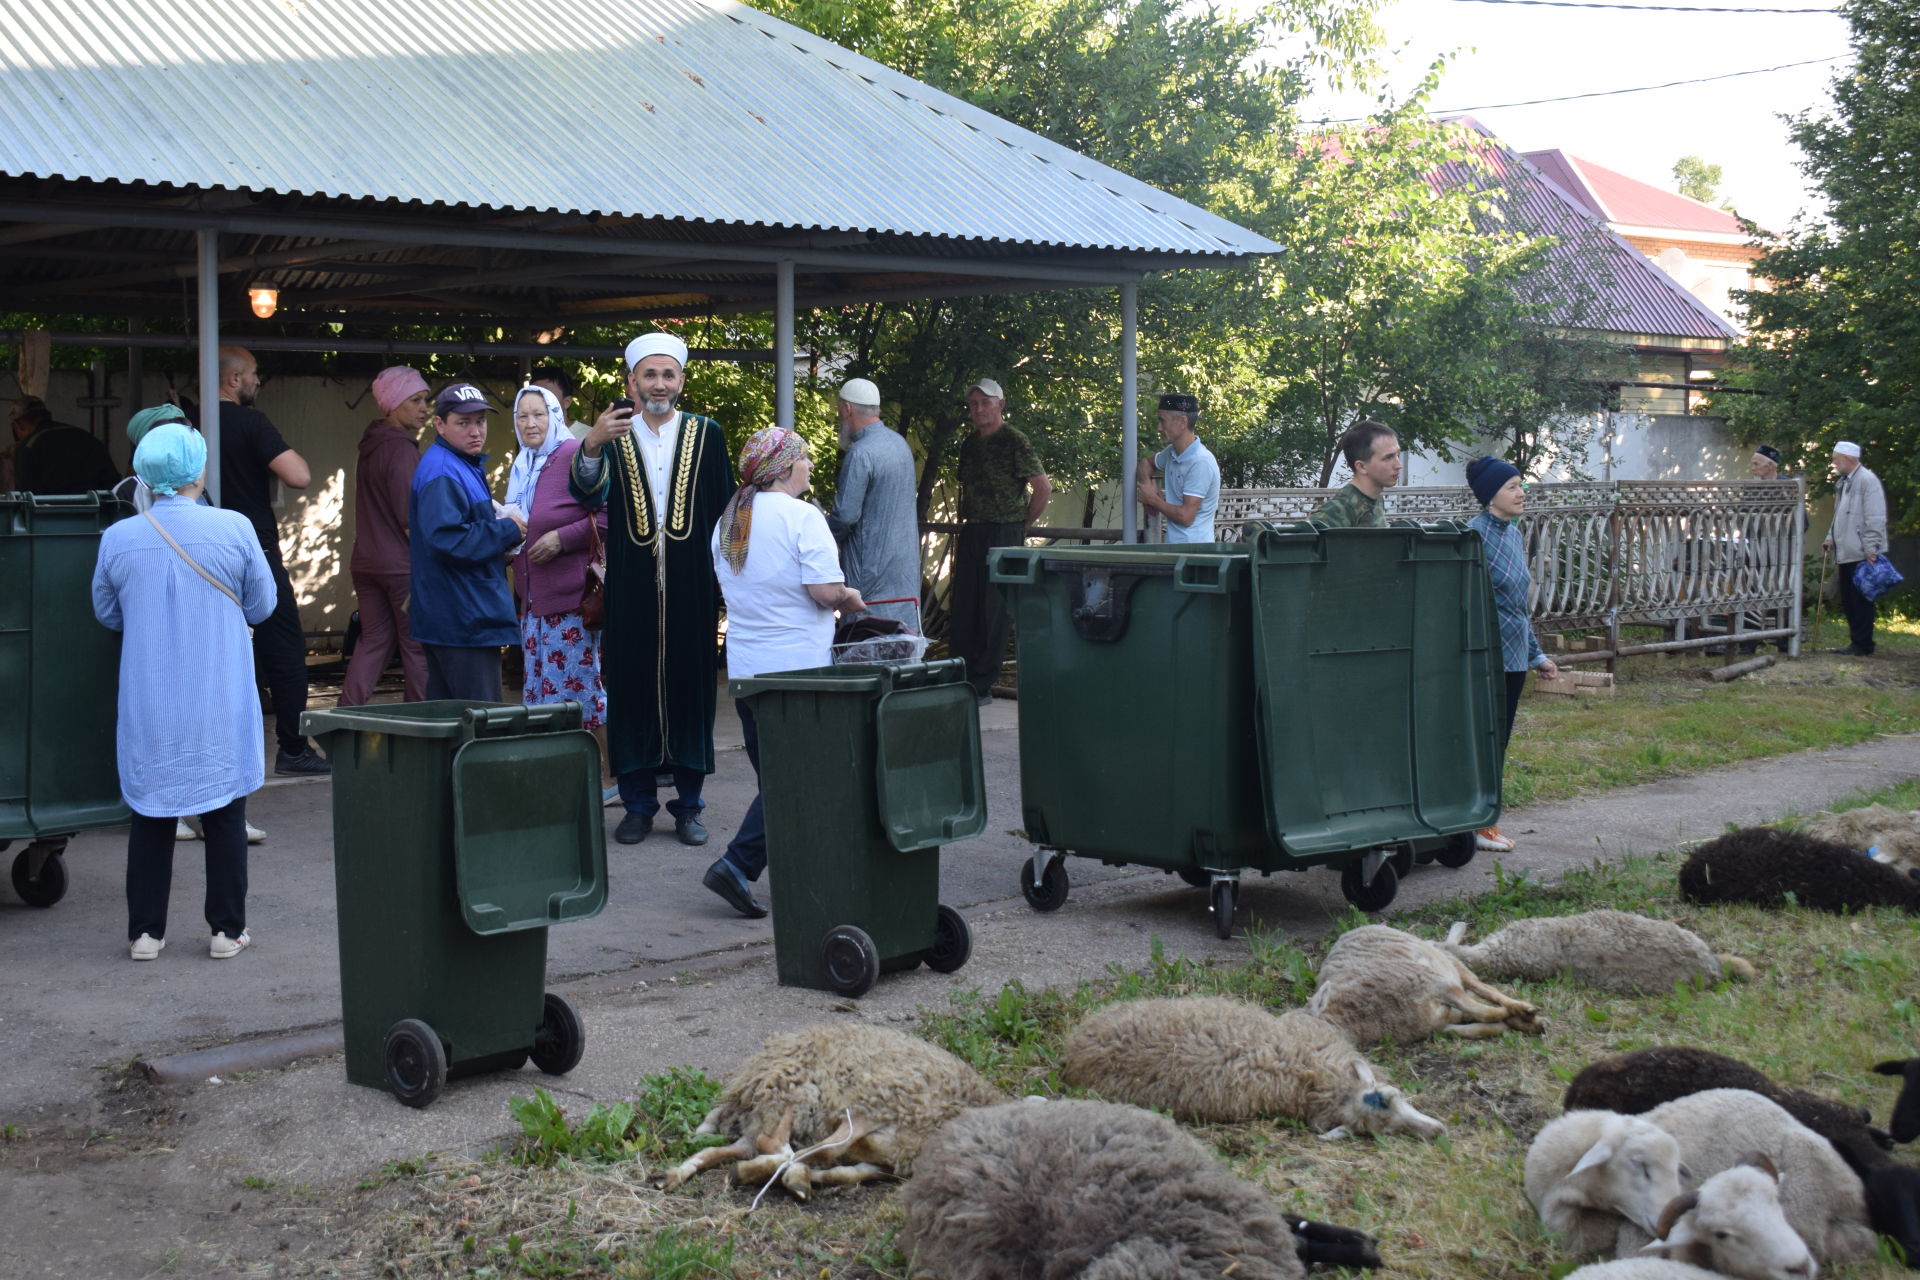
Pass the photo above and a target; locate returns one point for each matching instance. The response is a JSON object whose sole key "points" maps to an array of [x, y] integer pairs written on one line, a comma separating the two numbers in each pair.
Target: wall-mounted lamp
{"points": [[264, 299]]}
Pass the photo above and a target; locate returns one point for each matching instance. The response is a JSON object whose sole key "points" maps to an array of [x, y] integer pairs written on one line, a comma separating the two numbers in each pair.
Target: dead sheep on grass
{"points": [[1074, 1190], [1211, 1059], [1892, 835], [1590, 1173], [1765, 867], [866, 1097], [1383, 986], [1732, 1226], [1613, 950]]}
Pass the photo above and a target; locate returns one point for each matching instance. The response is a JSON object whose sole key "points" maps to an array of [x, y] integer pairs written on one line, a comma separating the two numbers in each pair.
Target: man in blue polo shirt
{"points": [[461, 609], [1192, 488]]}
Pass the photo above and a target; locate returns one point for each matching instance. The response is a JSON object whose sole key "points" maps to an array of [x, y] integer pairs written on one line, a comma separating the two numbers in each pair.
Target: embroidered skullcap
{"points": [[1847, 447], [392, 386], [147, 419], [1768, 452], [768, 458], [1485, 476], [1177, 403], [656, 344], [861, 392], [170, 455]]}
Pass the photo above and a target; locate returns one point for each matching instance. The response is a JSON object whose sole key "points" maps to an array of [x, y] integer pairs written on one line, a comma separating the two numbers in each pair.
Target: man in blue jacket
{"points": [[461, 609]]}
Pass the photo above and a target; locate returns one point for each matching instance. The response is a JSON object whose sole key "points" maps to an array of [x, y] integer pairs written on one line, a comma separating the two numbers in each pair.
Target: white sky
{"points": [[1515, 52]]}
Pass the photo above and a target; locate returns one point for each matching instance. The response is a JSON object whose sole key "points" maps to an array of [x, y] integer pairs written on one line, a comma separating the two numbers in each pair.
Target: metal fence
{"points": [[1697, 559]]}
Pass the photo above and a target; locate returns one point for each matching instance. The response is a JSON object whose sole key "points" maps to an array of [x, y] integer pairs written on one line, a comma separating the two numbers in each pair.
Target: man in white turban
{"points": [[664, 477], [1858, 532]]}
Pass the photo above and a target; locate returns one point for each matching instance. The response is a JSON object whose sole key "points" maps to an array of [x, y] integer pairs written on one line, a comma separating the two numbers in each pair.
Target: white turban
{"points": [[656, 344], [1847, 447]]}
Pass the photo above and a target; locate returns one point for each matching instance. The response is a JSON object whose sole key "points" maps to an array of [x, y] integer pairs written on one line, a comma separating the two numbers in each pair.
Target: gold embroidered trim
{"points": [[680, 509], [639, 493], [679, 522]]}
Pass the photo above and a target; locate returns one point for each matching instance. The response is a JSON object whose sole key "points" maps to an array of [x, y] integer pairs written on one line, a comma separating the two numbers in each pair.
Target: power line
{"points": [[1642, 8], [1606, 93]]}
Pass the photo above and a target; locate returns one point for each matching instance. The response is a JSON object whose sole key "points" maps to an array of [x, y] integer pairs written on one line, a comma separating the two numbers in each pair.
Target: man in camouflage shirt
{"points": [[1003, 490], [1372, 451]]}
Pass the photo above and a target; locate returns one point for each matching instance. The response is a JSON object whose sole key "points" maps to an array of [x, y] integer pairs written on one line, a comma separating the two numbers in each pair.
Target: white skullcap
{"points": [[656, 344], [1847, 447], [987, 387], [861, 392]]}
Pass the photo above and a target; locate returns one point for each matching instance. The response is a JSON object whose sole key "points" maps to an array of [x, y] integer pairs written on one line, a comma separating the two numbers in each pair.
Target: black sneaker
{"points": [[303, 763]]}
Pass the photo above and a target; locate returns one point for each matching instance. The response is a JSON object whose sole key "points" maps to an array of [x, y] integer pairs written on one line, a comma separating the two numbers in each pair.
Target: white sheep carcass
{"points": [[1383, 986], [1208, 1058], [1731, 1226], [866, 1097], [1588, 1173], [1892, 835], [1614, 950], [1072, 1190], [1820, 1195]]}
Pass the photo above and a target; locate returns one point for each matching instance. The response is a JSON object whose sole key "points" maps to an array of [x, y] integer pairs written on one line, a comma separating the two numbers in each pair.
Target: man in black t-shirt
{"points": [[252, 457]]}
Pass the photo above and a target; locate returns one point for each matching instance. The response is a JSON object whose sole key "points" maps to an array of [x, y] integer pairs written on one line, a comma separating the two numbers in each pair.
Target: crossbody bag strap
{"points": [[220, 586]]}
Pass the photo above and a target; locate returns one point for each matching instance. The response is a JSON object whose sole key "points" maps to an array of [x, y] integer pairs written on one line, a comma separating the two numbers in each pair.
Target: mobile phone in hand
{"points": [[624, 402]]}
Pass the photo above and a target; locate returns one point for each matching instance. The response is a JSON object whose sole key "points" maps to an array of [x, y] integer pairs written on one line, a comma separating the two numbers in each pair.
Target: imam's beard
{"points": [[846, 437], [661, 407]]}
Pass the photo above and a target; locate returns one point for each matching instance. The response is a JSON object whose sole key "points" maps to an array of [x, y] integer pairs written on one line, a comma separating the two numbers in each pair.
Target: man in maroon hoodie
{"points": [[382, 480]]}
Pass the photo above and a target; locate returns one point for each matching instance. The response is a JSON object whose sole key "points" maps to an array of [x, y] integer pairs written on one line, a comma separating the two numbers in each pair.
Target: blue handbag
{"points": [[1874, 578]]}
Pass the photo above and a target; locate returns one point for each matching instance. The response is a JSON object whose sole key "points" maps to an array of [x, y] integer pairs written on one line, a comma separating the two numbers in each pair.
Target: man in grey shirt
{"points": [[873, 507]]}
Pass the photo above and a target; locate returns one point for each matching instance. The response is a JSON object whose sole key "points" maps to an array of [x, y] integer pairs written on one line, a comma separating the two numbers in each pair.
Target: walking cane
{"points": [[1820, 601]]}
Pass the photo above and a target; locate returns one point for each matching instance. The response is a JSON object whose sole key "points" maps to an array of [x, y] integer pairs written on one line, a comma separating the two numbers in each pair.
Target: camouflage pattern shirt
{"points": [[994, 470], [1352, 509]]}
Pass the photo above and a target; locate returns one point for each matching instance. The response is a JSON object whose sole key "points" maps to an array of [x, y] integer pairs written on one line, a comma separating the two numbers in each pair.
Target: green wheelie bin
{"points": [[61, 671], [461, 831], [866, 770]]}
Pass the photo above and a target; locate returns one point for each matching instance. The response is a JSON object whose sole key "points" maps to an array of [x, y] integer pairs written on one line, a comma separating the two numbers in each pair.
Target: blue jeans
{"points": [[639, 792], [747, 851]]}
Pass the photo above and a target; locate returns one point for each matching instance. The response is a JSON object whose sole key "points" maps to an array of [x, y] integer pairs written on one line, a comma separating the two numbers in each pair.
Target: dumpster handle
{"points": [[1207, 574], [504, 720], [1015, 564]]}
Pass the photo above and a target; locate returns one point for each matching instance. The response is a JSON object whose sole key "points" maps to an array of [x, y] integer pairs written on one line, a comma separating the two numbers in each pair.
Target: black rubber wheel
{"points": [[1194, 876], [561, 1039], [1369, 897], [416, 1063], [44, 889], [952, 941], [1402, 860], [1221, 901], [851, 959], [1457, 852], [1049, 893]]}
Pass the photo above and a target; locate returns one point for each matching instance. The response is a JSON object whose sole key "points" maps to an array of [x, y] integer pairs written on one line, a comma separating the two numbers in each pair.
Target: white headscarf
{"points": [[529, 463]]}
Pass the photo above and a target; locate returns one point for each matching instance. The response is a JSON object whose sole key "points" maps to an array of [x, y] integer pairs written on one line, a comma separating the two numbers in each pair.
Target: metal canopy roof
{"points": [[540, 161]]}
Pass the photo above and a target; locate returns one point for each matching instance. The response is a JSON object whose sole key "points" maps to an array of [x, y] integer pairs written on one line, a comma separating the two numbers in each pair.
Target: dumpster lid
{"points": [[1376, 664], [445, 718], [929, 784], [529, 848], [852, 677]]}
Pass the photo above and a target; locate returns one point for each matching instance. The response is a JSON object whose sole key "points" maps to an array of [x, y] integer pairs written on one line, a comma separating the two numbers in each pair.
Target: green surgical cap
{"points": [[147, 419]]}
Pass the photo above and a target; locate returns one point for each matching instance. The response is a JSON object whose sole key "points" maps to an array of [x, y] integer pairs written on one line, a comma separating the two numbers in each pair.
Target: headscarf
{"points": [[766, 460], [1485, 476], [529, 463], [147, 419], [1770, 453], [394, 385], [170, 455], [656, 344]]}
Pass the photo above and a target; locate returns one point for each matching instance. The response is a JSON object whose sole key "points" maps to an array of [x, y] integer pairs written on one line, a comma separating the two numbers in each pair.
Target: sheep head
{"points": [[1372, 1107], [1905, 1123], [1632, 1169], [1733, 1224]]}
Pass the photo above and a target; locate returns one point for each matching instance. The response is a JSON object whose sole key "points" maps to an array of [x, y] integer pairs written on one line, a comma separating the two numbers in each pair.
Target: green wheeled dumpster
{"points": [[61, 671], [461, 832], [1323, 697], [866, 770]]}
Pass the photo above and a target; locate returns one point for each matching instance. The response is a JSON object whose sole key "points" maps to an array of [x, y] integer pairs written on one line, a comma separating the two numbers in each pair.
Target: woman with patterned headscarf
{"points": [[779, 572], [382, 557], [184, 582]]}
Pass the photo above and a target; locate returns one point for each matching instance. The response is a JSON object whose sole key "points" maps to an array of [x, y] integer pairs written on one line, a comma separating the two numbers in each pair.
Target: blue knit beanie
{"points": [[1486, 475]]}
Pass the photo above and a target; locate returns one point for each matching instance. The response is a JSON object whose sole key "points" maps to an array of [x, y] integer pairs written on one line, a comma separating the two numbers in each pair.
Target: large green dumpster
{"points": [[866, 770], [61, 671], [1323, 697], [461, 831]]}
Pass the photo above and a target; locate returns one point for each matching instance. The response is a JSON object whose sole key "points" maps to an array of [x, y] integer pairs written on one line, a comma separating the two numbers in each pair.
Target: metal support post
{"points": [[783, 344], [209, 335], [1129, 409]]}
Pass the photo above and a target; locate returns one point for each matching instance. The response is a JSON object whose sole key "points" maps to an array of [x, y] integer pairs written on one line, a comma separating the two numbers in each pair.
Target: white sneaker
{"points": [[146, 947], [225, 948], [255, 835], [1489, 840], [185, 830]]}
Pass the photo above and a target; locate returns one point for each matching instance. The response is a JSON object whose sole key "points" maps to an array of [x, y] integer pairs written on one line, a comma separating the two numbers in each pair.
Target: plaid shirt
{"points": [[1507, 566]]}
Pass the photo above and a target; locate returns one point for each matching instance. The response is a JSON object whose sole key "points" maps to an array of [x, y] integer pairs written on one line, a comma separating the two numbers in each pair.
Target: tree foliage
{"points": [[1695, 178], [1834, 337]]}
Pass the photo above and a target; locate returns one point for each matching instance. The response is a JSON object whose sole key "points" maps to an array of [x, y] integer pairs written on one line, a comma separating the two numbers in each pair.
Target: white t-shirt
{"points": [[772, 623]]}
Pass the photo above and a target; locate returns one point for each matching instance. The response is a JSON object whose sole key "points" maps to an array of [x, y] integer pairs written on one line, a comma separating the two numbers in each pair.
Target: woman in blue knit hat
{"points": [[1497, 485]]}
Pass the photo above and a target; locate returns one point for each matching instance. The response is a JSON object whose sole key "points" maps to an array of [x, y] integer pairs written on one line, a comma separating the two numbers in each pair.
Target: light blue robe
{"points": [[190, 735]]}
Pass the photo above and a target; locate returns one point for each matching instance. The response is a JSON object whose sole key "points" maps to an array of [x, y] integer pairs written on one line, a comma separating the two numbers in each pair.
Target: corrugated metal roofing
{"points": [[1625, 293], [701, 110], [1629, 201]]}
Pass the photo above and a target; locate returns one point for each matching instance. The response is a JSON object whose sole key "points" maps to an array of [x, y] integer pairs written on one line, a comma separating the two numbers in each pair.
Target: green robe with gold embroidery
{"points": [[658, 654]]}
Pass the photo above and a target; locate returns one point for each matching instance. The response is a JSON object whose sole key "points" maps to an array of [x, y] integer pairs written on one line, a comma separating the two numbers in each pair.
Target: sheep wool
{"points": [[1589, 1174], [1893, 835], [1383, 986], [1643, 1269], [1072, 1190], [1821, 1197], [1209, 1059], [1613, 950], [1762, 866]]}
